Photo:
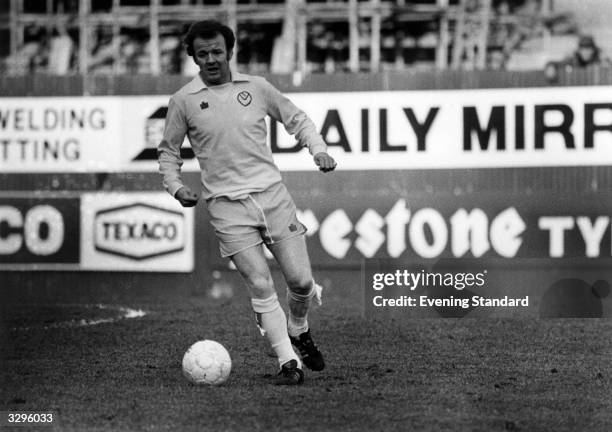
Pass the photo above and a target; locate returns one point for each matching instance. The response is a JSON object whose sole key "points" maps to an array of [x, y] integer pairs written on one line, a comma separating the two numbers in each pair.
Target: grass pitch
{"points": [[382, 374]]}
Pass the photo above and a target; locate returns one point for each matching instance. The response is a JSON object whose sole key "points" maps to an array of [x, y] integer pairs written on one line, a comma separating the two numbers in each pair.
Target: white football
{"points": [[207, 362]]}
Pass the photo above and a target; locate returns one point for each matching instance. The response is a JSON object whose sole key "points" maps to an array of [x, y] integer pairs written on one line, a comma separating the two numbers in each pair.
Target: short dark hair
{"points": [[207, 30]]}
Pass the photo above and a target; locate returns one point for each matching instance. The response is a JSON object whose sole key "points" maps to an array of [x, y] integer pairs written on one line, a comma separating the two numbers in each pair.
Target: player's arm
{"points": [[297, 123], [169, 155]]}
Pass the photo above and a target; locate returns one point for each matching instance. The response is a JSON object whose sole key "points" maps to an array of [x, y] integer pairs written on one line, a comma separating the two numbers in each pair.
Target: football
{"points": [[207, 362]]}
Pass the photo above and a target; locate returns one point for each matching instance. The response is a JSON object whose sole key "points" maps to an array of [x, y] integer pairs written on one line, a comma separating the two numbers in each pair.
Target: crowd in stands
{"points": [[586, 54], [403, 44]]}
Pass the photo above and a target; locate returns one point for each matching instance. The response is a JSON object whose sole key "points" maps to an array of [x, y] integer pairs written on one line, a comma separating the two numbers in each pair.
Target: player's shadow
{"points": [[574, 298]]}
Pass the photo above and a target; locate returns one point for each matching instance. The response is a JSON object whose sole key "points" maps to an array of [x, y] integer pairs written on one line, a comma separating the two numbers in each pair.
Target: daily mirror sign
{"points": [[364, 130], [458, 129]]}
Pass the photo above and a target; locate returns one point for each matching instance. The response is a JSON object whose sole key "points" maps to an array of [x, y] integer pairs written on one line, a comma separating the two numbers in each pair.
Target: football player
{"points": [[223, 113]]}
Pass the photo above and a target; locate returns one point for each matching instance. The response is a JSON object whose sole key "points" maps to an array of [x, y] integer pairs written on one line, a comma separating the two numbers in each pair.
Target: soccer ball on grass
{"points": [[207, 362]]}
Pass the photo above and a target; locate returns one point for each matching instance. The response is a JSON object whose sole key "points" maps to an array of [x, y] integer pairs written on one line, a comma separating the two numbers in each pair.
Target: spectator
{"points": [[586, 54], [61, 50], [318, 43], [32, 56], [551, 72], [338, 50]]}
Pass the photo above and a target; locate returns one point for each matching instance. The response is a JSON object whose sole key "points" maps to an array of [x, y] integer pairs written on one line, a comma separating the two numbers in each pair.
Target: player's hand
{"points": [[186, 197], [325, 162]]}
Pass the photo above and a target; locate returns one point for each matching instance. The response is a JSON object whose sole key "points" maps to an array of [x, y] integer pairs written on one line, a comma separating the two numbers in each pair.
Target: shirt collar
{"points": [[196, 84]]}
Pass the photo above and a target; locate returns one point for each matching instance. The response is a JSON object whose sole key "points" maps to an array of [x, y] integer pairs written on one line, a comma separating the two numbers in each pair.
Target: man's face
{"points": [[586, 53], [213, 59]]}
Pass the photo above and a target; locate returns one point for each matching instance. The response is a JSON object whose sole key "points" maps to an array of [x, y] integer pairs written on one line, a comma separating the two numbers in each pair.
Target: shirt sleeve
{"points": [[296, 122], [169, 149]]}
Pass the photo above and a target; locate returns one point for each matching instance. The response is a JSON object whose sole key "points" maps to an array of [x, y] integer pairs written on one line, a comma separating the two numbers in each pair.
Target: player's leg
{"points": [[252, 265], [292, 256]]}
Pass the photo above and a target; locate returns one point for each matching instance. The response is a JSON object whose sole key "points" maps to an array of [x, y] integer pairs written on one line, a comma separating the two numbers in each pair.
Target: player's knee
{"points": [[300, 283], [265, 305], [261, 285]]}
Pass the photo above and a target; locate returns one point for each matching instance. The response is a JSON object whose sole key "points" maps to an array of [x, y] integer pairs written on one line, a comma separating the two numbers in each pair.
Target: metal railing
{"points": [[106, 85]]}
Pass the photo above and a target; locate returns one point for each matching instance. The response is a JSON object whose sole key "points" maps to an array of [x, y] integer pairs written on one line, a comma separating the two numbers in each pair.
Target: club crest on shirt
{"points": [[244, 97], [203, 105]]}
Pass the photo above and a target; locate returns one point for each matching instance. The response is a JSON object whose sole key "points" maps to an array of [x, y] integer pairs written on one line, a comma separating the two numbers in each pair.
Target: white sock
{"points": [[299, 305], [273, 325]]}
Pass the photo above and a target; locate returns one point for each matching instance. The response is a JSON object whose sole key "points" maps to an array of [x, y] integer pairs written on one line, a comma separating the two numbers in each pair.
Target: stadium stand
{"points": [[143, 36]]}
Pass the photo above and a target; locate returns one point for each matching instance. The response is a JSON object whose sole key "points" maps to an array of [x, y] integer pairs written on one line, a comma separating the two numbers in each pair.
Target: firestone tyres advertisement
{"points": [[484, 227]]}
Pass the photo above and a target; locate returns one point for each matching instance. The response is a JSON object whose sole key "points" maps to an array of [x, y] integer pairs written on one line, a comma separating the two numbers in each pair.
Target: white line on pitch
{"points": [[124, 313]]}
